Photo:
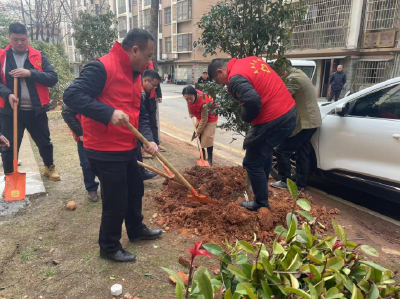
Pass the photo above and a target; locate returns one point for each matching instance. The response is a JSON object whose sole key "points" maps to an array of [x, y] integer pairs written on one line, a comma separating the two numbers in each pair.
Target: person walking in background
{"points": [[308, 120], [206, 121], [73, 120], [35, 75], [202, 80], [337, 80]]}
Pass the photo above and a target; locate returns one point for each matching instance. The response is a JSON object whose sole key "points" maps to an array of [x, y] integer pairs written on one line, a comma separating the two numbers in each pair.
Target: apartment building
{"points": [[362, 35], [177, 32]]}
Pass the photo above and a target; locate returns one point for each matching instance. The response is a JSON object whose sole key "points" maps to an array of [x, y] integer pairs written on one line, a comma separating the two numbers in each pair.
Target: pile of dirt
{"points": [[226, 219]]}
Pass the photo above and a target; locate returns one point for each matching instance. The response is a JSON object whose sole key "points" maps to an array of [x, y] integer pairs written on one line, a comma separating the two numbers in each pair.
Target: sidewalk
{"points": [[34, 183]]}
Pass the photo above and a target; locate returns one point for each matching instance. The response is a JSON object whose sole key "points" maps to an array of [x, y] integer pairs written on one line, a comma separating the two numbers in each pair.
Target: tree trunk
{"points": [[155, 4]]}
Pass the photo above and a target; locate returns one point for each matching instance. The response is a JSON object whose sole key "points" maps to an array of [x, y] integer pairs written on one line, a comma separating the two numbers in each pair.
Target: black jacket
{"points": [[47, 78], [201, 80], [338, 80], [242, 90]]}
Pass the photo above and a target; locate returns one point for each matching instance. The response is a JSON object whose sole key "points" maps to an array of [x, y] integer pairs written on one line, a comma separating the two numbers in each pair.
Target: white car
{"points": [[359, 141]]}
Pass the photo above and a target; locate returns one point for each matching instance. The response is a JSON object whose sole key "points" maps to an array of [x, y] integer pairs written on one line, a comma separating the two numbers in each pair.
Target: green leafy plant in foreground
{"points": [[300, 264]]}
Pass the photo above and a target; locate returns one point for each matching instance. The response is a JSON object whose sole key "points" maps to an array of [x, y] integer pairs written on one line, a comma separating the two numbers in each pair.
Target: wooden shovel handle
{"points": [[15, 127], [154, 170], [147, 144], [198, 140]]}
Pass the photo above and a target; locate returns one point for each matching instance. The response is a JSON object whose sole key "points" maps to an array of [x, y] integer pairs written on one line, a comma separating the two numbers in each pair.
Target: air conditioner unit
{"points": [[175, 56], [164, 56]]}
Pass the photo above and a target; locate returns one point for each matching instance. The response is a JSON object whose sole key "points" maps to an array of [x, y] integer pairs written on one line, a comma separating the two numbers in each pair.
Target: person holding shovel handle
{"points": [[206, 120], [107, 96], [35, 75]]}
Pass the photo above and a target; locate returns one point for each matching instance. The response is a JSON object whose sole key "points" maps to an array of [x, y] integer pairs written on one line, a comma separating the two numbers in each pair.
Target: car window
{"points": [[384, 103]]}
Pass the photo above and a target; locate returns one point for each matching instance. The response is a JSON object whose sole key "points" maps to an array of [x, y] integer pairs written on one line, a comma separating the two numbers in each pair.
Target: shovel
{"points": [[15, 182], [195, 196], [201, 162], [165, 175]]}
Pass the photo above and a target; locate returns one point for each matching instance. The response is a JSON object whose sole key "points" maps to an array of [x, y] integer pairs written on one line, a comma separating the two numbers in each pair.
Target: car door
{"points": [[366, 141]]}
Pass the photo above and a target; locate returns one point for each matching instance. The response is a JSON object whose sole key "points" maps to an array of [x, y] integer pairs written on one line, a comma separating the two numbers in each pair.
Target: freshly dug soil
{"points": [[226, 219]]}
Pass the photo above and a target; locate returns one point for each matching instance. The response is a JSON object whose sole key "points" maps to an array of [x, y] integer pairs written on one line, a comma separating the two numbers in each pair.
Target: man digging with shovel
{"points": [[268, 105], [107, 95]]}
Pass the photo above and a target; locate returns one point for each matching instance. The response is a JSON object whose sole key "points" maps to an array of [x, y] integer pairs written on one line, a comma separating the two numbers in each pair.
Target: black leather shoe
{"points": [[148, 175], [92, 196], [147, 234], [252, 206], [122, 256]]}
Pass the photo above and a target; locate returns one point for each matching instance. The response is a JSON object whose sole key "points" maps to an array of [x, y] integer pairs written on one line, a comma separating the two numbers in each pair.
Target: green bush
{"points": [[302, 265]]}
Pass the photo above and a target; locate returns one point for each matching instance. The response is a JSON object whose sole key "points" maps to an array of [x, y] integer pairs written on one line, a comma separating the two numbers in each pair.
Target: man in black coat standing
{"points": [[338, 80]]}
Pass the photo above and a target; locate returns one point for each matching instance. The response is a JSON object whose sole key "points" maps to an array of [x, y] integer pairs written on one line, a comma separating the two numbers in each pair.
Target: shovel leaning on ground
{"points": [[201, 162], [195, 196], [15, 186]]}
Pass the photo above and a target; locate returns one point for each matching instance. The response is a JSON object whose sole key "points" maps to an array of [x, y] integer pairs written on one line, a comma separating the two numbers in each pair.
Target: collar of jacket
{"points": [[123, 57]]}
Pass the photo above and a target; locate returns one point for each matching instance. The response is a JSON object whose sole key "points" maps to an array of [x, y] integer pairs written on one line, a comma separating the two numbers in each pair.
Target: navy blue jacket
{"points": [[338, 80]]}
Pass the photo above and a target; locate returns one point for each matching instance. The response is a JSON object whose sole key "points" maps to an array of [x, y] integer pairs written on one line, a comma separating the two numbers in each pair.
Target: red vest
{"points": [[121, 92], [275, 98], [35, 58], [197, 107]]}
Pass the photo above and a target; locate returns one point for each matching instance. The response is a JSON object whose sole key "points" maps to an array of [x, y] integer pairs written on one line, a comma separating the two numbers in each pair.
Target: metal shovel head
{"points": [[203, 163], [15, 187], [201, 199]]}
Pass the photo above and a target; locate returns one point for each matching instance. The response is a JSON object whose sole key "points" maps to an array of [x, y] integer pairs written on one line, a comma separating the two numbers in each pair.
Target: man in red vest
{"points": [[35, 75], [268, 105], [107, 95]]}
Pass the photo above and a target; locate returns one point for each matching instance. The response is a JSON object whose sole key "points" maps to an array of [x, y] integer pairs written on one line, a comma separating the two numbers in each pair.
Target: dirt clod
{"points": [[71, 205], [182, 276], [184, 262], [226, 219]]}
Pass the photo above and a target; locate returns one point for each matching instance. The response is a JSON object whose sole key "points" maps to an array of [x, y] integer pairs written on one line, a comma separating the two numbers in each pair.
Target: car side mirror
{"points": [[339, 111]]}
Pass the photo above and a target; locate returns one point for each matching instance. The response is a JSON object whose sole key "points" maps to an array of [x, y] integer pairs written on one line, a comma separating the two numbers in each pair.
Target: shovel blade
{"points": [[15, 187], [203, 163], [201, 199]]}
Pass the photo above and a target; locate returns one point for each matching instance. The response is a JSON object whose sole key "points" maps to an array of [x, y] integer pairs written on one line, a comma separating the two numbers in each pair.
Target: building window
{"points": [[382, 14], [146, 19], [147, 2], [121, 6], [167, 15], [184, 10], [160, 21], [369, 73], [184, 42], [160, 47], [134, 2], [69, 39], [122, 27], [134, 22], [168, 45]]}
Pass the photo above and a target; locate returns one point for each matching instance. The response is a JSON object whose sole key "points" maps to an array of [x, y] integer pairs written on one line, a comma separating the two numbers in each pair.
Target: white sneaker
{"points": [[19, 162]]}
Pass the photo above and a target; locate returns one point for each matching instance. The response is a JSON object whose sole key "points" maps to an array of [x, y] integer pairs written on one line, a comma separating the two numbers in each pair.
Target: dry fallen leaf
{"points": [[183, 276]]}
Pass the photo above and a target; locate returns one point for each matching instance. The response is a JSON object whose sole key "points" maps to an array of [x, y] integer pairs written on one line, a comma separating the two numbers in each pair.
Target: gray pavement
{"points": [[34, 183]]}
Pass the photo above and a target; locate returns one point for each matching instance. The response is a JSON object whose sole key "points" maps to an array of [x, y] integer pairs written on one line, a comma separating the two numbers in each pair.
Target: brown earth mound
{"points": [[226, 219]]}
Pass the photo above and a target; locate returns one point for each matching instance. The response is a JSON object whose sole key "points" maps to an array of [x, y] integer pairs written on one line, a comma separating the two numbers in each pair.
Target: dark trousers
{"points": [[38, 128], [334, 93], [258, 161], [153, 122], [89, 177], [301, 144], [122, 189]]}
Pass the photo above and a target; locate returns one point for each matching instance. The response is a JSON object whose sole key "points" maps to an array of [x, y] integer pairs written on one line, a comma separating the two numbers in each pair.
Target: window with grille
{"points": [[369, 73], [382, 14], [146, 19], [184, 10], [121, 6], [147, 2], [184, 42], [135, 22], [167, 15], [168, 45]]}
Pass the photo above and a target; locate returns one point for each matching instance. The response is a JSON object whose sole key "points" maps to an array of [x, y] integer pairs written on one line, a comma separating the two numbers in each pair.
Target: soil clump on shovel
{"points": [[226, 219]]}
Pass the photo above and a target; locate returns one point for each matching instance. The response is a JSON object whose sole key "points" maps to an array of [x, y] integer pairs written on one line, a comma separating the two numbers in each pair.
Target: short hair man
{"points": [[107, 93], [308, 120], [35, 75], [268, 105], [204, 77], [337, 80]]}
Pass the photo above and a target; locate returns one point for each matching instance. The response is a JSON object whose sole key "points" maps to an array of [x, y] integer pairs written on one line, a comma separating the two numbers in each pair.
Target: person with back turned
{"points": [[108, 96], [268, 105]]}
